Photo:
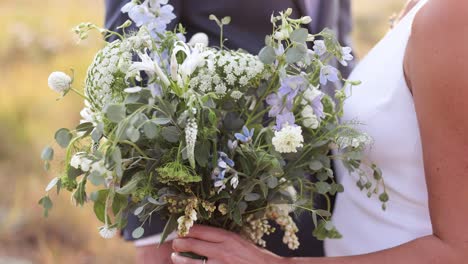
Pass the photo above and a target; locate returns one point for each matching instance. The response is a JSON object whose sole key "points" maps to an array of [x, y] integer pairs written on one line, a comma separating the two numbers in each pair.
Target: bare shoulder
{"points": [[438, 45]]}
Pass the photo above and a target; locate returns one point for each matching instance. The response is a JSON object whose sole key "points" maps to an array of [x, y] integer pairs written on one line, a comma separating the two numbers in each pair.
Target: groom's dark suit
{"points": [[250, 24]]}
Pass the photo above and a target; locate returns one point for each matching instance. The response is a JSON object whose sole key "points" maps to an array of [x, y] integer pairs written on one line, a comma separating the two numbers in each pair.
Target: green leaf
{"points": [[120, 202], [171, 226], [139, 210], [323, 213], [63, 137], [150, 130], [267, 55], [131, 185], [315, 165], [115, 113], [226, 20], [46, 204], [97, 132], [295, 54], [272, 182], [137, 233], [314, 219], [47, 154], [52, 184], [161, 121], [202, 153], [133, 134], [384, 197], [99, 207], [171, 134], [250, 197], [96, 179], [83, 127], [322, 187], [299, 35]]}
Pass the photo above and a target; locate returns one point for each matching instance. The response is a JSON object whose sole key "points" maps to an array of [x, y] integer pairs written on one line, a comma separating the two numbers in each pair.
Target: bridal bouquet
{"points": [[200, 134]]}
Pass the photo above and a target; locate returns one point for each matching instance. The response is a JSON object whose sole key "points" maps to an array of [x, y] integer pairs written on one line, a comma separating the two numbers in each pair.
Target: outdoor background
{"points": [[36, 39]]}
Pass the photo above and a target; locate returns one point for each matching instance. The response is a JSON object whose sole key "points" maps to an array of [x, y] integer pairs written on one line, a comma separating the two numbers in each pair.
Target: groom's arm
{"points": [[345, 27]]}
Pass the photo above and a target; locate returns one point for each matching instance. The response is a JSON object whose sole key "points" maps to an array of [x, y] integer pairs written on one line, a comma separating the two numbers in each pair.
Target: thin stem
{"points": [[79, 93]]}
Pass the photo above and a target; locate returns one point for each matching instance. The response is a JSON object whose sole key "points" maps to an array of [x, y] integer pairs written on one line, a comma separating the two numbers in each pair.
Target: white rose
{"points": [[59, 82]]}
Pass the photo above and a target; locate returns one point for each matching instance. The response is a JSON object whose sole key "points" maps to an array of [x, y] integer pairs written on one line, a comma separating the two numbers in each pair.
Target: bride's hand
{"points": [[220, 247]]}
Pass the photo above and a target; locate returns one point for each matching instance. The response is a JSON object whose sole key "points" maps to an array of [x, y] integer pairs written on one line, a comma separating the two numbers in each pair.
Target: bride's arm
{"points": [[437, 69]]}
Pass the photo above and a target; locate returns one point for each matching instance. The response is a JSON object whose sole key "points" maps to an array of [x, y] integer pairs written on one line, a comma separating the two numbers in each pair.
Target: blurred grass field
{"points": [[36, 39]]}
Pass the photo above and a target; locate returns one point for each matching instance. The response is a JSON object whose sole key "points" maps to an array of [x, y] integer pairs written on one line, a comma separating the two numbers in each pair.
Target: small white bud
{"points": [[310, 38], [306, 20], [200, 38], [106, 232], [59, 82], [288, 12]]}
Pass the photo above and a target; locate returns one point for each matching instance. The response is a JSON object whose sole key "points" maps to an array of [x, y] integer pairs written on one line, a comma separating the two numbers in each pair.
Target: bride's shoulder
{"points": [[439, 35], [446, 17], [437, 56]]}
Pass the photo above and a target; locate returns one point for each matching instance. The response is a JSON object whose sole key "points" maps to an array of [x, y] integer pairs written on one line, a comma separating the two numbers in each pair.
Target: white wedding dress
{"points": [[384, 104]]}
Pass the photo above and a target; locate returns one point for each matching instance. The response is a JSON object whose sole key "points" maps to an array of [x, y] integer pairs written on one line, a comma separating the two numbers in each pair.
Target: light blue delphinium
{"points": [[328, 73], [246, 135]]}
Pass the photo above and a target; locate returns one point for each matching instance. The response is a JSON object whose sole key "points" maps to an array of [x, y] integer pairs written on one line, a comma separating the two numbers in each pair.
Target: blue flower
{"points": [[246, 135], [283, 120], [154, 14], [225, 164], [276, 102], [317, 105], [291, 86], [328, 73]]}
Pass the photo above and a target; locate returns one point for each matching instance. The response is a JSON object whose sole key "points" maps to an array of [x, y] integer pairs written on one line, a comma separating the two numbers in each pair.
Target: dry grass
{"points": [[35, 41]]}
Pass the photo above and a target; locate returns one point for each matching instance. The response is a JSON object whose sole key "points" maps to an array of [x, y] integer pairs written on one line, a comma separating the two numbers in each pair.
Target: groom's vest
{"points": [[249, 25]]}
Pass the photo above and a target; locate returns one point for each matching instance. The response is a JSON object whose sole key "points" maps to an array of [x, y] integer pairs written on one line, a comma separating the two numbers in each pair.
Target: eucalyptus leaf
{"points": [[295, 54], [133, 134], [299, 35], [161, 121], [138, 232], [139, 210], [267, 55], [171, 134], [47, 154], [250, 197], [150, 130], [96, 179], [63, 137], [272, 182], [315, 165], [115, 113]]}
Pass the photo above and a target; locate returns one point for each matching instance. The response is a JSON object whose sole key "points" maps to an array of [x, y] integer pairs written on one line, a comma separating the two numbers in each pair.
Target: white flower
{"points": [[59, 82], [319, 47], [78, 161], [135, 89], [200, 38], [107, 232], [235, 181], [150, 67], [306, 20], [310, 94], [288, 139], [310, 119], [346, 55], [221, 89], [191, 131], [236, 95]]}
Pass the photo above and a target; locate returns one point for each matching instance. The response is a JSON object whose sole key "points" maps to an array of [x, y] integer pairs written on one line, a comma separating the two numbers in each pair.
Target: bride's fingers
{"points": [[177, 259], [198, 247], [210, 234]]}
